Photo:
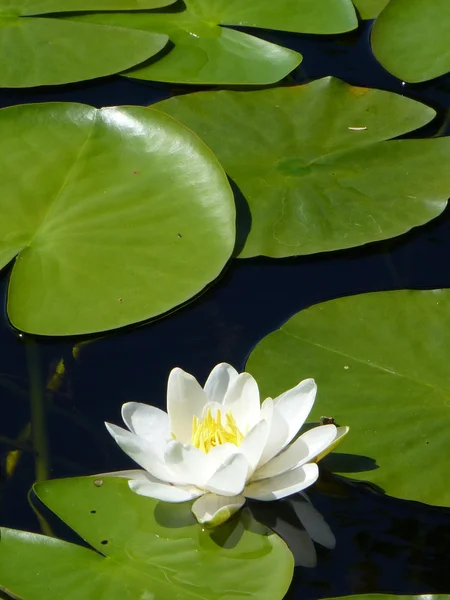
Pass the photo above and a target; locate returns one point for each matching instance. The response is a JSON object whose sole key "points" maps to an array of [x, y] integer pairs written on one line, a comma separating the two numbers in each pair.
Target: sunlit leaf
{"points": [[115, 216], [314, 166], [381, 365], [144, 549], [411, 39], [39, 7], [206, 53], [48, 51]]}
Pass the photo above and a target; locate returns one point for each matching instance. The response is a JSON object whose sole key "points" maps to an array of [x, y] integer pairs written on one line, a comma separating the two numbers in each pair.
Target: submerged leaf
{"points": [[381, 365]]}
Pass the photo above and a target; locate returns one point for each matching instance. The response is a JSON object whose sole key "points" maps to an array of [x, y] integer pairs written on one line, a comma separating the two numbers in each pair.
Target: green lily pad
{"points": [[39, 7], [380, 361], [411, 39], [144, 549], [115, 216], [206, 53], [49, 51], [314, 166], [370, 9]]}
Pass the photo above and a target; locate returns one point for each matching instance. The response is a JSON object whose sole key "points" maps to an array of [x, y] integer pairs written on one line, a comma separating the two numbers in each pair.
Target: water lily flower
{"points": [[218, 445]]}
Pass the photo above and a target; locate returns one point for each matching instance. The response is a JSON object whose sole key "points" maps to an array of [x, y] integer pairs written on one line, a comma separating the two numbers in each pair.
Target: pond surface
{"points": [[383, 544]]}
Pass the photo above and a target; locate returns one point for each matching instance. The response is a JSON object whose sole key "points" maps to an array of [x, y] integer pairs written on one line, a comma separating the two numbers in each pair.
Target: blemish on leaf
{"points": [[104, 542], [93, 512], [98, 482], [358, 91]]}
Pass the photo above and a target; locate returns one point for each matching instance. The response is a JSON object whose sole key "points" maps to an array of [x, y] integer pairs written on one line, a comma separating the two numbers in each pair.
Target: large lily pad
{"points": [[40, 7], [143, 549], [206, 53], [115, 215], [49, 51], [381, 364], [411, 39], [314, 166], [370, 9]]}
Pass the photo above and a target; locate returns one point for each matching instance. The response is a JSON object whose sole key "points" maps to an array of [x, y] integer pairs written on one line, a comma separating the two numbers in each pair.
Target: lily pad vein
{"points": [[368, 363]]}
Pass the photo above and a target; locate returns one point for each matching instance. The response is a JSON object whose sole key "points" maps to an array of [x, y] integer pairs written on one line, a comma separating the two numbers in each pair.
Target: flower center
{"points": [[210, 431]]}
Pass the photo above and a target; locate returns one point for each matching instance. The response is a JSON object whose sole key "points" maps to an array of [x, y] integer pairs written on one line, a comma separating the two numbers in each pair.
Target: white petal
{"points": [[295, 405], [341, 432], [160, 490], [148, 456], [284, 484], [212, 510], [253, 445], [303, 450], [278, 432], [188, 462], [314, 523], [229, 479], [146, 421], [218, 455], [242, 399], [219, 381], [185, 399]]}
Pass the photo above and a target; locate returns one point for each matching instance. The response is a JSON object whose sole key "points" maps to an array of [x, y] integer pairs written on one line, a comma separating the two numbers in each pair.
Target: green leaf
{"points": [[314, 166], [49, 51], [381, 365], [145, 549], [39, 7], [411, 39], [116, 215], [206, 53], [370, 9]]}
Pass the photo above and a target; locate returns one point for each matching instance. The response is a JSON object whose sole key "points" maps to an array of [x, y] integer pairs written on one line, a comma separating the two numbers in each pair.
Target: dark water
{"points": [[383, 544]]}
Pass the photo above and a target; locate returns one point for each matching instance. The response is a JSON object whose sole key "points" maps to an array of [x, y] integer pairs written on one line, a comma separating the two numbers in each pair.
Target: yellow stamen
{"points": [[210, 431]]}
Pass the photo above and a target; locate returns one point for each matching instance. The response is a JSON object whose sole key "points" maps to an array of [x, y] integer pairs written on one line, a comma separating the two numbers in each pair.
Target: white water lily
{"points": [[219, 445]]}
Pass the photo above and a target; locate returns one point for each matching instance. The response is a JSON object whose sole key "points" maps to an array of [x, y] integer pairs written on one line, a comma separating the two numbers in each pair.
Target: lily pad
{"points": [[206, 53], [141, 549], [411, 39], [314, 166], [115, 216], [370, 9], [49, 51], [380, 361], [39, 7]]}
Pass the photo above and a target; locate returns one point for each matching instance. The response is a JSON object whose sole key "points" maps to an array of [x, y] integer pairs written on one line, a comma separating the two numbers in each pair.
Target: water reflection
{"points": [[300, 524]]}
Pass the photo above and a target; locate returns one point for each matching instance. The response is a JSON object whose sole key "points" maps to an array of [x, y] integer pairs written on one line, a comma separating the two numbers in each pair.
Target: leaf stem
{"points": [[38, 416]]}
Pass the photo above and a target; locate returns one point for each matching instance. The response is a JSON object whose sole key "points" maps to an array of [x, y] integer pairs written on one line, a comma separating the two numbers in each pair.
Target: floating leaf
{"points": [[411, 39], [116, 215], [144, 549], [206, 53], [314, 166], [370, 9], [49, 51], [381, 365], [40, 7]]}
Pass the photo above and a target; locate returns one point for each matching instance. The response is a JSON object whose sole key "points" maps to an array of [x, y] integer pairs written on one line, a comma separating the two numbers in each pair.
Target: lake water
{"points": [[383, 544]]}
